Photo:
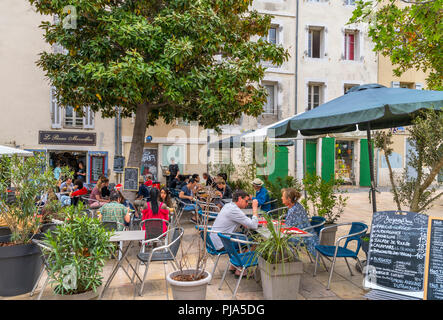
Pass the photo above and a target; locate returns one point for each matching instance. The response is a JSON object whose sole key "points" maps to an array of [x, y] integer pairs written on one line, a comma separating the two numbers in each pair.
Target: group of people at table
{"points": [[153, 202]]}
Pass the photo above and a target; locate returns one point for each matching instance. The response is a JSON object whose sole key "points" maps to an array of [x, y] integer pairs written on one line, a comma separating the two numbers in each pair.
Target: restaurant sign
{"points": [[67, 138]]}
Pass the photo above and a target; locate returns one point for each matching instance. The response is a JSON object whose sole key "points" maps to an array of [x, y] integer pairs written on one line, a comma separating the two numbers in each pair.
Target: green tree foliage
{"points": [[409, 32], [158, 60], [426, 137]]}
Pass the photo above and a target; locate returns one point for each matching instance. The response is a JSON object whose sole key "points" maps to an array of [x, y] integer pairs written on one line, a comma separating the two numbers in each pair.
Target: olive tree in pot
{"points": [[20, 261], [325, 199], [279, 263], [78, 252], [190, 282]]}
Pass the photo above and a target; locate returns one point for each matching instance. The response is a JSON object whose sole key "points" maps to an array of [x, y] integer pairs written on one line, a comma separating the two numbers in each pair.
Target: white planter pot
{"points": [[280, 282], [188, 290]]}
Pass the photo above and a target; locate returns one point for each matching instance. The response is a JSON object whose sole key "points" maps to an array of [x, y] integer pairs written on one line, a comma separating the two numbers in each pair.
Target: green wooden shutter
{"points": [[327, 158], [281, 164], [311, 156], [365, 176]]}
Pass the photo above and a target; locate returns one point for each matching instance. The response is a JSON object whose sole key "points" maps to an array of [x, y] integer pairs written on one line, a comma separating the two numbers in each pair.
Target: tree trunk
{"points": [[138, 141]]}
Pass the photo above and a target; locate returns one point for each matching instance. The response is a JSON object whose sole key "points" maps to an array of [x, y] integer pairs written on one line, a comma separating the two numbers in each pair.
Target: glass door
{"points": [[344, 161]]}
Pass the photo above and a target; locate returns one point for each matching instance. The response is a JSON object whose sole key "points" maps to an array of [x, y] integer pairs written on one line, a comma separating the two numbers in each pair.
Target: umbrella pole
{"points": [[371, 167]]}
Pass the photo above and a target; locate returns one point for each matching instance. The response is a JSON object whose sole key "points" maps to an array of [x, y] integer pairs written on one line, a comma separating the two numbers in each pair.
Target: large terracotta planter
{"points": [[280, 281], [328, 235], [188, 290]]}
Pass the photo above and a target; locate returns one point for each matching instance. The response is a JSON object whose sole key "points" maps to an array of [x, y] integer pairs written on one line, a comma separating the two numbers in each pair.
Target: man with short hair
{"points": [[114, 211], [231, 216], [68, 185], [186, 195], [209, 180]]}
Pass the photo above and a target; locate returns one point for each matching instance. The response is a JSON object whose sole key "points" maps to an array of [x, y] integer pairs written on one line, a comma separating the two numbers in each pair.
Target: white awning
{"points": [[4, 150]]}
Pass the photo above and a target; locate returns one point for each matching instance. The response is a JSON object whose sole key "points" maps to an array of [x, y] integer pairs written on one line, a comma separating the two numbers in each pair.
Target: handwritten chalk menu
{"points": [[397, 251], [434, 261], [119, 163], [131, 179]]}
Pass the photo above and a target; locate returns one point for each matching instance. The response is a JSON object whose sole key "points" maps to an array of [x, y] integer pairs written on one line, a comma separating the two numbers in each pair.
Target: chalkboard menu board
{"points": [[119, 163], [397, 250], [434, 261], [131, 179]]}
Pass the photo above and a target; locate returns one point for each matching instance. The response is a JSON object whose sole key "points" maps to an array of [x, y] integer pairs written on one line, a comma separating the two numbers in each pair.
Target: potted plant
{"points": [[80, 248], [20, 261], [279, 263], [325, 199], [190, 282]]}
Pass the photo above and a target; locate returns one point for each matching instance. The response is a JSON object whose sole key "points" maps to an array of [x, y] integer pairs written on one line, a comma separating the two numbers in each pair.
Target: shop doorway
{"points": [[67, 158], [344, 161]]}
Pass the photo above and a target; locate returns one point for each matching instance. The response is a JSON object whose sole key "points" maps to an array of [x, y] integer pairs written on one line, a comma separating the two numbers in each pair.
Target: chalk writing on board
{"points": [[131, 178], [397, 251], [434, 261]]}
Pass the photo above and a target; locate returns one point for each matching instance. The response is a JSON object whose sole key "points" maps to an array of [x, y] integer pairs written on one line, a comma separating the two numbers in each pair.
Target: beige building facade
{"points": [[32, 118]]}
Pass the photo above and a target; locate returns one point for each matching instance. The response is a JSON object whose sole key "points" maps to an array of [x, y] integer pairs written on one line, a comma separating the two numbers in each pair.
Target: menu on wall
{"points": [[131, 179], [433, 287], [97, 167], [397, 250]]}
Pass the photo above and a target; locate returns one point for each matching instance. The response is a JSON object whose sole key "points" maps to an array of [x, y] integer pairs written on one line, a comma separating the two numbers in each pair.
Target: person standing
{"points": [[173, 170], [81, 173], [57, 171]]}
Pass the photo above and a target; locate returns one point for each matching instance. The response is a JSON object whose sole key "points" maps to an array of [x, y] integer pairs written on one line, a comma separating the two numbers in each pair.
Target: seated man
{"points": [[231, 216], [68, 185], [198, 186], [261, 194], [187, 197], [209, 180], [224, 191], [114, 211]]}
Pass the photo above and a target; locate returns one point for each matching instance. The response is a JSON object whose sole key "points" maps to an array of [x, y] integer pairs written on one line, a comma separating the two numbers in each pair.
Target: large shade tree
{"points": [[159, 59], [409, 32]]}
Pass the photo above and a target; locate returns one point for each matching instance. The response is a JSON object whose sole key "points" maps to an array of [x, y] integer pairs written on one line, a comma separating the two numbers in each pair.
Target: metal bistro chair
{"points": [[165, 253], [278, 212], [43, 247], [154, 228], [317, 224], [210, 248], [208, 212], [181, 208], [239, 260], [357, 228], [272, 202]]}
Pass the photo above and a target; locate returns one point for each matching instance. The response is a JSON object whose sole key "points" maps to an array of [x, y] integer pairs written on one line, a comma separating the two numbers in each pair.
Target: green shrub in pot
{"points": [[279, 263], [80, 248]]}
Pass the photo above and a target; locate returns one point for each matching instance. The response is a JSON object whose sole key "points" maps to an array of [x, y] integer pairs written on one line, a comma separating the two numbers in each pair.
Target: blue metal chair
{"points": [[357, 228], [182, 207], [207, 212], [210, 248], [239, 260], [317, 224]]}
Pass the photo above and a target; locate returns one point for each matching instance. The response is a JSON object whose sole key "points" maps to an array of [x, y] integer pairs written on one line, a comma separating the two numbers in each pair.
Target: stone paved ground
{"points": [[343, 285]]}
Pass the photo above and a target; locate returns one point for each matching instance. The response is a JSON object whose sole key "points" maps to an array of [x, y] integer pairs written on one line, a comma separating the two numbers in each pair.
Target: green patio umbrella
{"points": [[365, 107]]}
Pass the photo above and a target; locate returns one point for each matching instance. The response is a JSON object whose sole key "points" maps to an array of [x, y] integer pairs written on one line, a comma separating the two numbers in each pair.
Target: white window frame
{"points": [[323, 31], [357, 44], [75, 119], [321, 93], [275, 102]]}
